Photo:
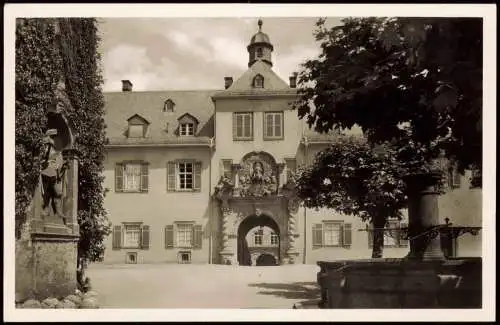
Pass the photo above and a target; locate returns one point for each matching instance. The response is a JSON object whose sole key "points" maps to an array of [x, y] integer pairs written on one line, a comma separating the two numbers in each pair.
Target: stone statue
{"points": [[53, 170], [257, 172]]}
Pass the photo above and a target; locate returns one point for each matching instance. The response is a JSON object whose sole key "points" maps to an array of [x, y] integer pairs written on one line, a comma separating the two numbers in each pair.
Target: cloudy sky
{"points": [[197, 53]]}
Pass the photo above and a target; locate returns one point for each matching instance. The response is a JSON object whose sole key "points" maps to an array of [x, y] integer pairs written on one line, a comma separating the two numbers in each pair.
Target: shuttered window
{"points": [[145, 237], [184, 176], [273, 125], [119, 178], [393, 237], [132, 177], [332, 234], [133, 235], [117, 237], [198, 236], [183, 235], [242, 126], [169, 236], [317, 235], [347, 234], [171, 183]]}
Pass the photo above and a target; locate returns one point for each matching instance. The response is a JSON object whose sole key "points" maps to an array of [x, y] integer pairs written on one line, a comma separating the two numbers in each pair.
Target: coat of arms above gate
{"points": [[258, 175]]}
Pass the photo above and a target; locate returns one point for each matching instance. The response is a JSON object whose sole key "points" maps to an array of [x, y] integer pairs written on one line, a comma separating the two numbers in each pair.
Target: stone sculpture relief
{"points": [[258, 176]]}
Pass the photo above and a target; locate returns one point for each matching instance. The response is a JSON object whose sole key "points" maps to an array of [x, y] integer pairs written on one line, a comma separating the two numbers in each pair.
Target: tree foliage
{"points": [[42, 57], [412, 81], [355, 179]]}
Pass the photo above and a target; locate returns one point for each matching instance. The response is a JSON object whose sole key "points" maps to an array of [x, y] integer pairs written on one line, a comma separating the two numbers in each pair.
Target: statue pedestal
{"points": [[46, 266]]}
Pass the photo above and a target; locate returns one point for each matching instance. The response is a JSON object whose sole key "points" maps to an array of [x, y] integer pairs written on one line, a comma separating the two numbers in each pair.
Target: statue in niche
{"points": [[258, 172], [52, 175], [257, 176]]}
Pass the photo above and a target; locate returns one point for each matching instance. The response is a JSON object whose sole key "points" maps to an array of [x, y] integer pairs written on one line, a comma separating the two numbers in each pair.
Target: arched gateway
{"points": [[257, 193]]}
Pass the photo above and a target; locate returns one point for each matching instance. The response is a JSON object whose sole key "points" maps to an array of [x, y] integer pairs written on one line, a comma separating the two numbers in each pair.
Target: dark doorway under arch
{"points": [[266, 260], [244, 257]]}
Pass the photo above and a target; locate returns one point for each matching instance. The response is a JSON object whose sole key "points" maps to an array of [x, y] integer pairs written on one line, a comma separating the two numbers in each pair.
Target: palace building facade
{"points": [[207, 177]]}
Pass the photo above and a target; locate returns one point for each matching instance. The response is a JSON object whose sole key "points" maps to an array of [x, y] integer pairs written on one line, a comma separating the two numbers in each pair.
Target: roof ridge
{"points": [[160, 91]]}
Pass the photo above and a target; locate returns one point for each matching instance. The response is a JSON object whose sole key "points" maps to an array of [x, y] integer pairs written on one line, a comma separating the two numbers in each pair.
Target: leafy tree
{"points": [[355, 179], [42, 57], [412, 81]]}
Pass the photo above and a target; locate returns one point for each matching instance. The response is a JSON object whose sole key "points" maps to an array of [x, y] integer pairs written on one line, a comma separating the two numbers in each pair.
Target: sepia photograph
{"points": [[168, 159]]}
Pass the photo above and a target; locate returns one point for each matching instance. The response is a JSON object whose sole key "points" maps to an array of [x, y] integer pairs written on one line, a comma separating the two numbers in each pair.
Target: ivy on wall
{"points": [[42, 56]]}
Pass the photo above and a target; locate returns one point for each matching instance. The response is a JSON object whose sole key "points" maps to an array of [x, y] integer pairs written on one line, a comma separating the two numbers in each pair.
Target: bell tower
{"points": [[260, 48]]}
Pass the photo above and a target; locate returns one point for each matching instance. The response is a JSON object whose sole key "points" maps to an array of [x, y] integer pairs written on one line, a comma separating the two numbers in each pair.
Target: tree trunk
{"points": [[378, 237]]}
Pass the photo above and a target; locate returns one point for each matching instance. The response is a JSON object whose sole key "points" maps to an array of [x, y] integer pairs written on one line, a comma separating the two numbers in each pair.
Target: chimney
{"points": [[228, 81], [293, 80], [126, 85]]}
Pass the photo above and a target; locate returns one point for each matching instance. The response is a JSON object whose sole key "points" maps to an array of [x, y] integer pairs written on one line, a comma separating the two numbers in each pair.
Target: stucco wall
{"points": [[158, 208]]}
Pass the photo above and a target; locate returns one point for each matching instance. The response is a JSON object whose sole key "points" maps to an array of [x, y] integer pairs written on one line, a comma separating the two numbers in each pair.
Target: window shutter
{"points": [[369, 229], [145, 237], [249, 125], [197, 176], [347, 234], [170, 176], [197, 235], [278, 130], [117, 237], [402, 242], [144, 177], [235, 125], [317, 235], [169, 236], [119, 178]]}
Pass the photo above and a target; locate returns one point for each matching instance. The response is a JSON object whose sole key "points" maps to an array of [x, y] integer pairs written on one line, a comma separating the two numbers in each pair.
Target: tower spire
{"points": [[260, 47]]}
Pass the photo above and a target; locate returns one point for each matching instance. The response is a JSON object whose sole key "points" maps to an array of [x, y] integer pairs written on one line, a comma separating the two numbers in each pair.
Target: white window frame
{"points": [[273, 136], [186, 129], [244, 129], [275, 239], [258, 238], [136, 177], [326, 224], [183, 242], [180, 175], [135, 231]]}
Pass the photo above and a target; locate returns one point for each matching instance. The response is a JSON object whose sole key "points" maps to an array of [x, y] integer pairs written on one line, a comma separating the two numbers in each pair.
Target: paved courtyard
{"points": [[203, 286]]}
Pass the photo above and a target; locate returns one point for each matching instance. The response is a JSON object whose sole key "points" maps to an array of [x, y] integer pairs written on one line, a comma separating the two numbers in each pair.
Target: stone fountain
{"points": [[425, 278]]}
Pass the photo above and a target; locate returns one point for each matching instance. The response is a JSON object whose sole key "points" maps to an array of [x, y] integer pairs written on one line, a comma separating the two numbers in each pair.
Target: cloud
{"points": [[195, 53]]}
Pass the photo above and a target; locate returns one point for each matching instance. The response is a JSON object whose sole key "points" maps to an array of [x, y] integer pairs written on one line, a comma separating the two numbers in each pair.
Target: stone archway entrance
{"points": [[244, 254]]}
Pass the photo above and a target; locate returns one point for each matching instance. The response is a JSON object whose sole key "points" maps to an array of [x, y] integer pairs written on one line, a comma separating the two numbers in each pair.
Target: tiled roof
{"points": [[120, 106], [272, 82]]}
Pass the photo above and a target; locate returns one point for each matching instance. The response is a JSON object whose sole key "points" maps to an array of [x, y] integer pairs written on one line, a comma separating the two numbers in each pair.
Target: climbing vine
{"points": [[42, 56]]}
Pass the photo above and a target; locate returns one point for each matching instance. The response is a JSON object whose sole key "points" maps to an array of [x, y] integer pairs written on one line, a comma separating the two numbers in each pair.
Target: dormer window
{"points": [[168, 106], [137, 127], [258, 81], [187, 125], [186, 129], [259, 52]]}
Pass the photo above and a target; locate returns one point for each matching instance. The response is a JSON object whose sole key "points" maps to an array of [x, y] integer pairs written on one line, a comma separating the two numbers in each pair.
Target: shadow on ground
{"points": [[307, 292]]}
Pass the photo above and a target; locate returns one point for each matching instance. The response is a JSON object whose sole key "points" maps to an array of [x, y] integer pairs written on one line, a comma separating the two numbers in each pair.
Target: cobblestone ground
{"points": [[203, 286]]}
